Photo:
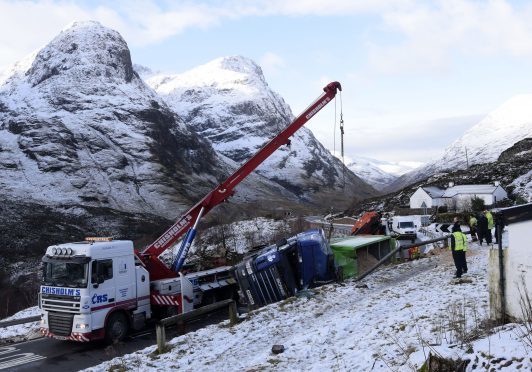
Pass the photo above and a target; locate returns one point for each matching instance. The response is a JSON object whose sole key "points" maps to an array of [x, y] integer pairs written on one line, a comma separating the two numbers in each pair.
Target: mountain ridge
{"points": [[508, 124]]}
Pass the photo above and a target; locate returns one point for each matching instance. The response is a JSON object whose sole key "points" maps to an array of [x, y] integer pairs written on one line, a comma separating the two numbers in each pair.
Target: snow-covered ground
{"points": [[406, 312], [21, 331]]}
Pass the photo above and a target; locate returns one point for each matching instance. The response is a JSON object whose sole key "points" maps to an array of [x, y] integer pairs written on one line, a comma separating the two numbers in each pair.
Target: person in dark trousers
{"points": [[459, 249], [489, 216], [482, 229], [473, 227]]}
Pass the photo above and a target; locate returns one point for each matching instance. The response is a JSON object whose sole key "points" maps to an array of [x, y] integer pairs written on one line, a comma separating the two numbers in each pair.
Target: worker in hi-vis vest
{"points": [[491, 224], [459, 249]]}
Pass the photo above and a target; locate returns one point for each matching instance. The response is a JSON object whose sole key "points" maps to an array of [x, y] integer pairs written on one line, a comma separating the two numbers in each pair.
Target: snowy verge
{"points": [[21, 331], [386, 325]]}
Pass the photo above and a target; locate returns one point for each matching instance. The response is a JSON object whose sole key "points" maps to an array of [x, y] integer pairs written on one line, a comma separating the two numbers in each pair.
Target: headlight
{"points": [[82, 326], [54, 250], [69, 251], [63, 251]]}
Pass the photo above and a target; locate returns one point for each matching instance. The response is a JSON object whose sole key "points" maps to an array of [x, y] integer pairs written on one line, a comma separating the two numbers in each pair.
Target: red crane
{"points": [[188, 222]]}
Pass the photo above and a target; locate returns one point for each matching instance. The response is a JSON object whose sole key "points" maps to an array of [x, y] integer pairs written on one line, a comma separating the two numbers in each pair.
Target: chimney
{"points": [[451, 184], [496, 183]]}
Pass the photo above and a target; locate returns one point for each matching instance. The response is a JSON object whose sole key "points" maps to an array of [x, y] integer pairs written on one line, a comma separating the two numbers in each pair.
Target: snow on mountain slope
{"points": [[485, 141], [367, 170], [378, 173], [78, 126], [229, 102]]}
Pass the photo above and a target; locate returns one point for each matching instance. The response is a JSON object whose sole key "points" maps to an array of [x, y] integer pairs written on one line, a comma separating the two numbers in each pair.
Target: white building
{"points": [[426, 197], [516, 265], [456, 197]]}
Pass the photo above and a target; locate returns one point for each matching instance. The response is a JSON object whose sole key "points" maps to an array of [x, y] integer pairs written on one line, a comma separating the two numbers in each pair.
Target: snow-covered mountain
{"points": [[379, 173], [367, 170], [485, 141], [78, 126], [87, 147], [229, 102]]}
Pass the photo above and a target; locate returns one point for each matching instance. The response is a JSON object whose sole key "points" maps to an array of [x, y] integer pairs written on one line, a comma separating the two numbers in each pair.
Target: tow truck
{"points": [[101, 288]]}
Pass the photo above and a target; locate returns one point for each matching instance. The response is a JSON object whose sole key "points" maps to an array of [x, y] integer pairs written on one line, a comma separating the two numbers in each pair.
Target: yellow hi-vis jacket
{"points": [[489, 216], [460, 241]]}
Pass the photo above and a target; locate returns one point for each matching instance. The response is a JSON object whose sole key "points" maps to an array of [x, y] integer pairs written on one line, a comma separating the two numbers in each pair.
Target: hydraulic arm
{"points": [[188, 222]]}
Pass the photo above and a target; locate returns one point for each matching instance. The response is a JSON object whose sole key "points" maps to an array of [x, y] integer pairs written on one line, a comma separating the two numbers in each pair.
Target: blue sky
{"points": [[416, 74]]}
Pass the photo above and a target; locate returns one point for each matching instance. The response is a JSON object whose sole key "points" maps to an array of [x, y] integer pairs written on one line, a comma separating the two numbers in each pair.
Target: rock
{"points": [[277, 349], [361, 286], [462, 281]]}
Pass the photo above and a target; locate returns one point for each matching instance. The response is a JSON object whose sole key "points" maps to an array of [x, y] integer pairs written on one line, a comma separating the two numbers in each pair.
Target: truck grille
{"points": [[60, 323], [62, 304]]}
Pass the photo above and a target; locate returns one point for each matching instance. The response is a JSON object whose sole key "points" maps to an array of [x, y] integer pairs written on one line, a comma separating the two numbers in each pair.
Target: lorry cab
{"points": [[92, 290], [281, 270]]}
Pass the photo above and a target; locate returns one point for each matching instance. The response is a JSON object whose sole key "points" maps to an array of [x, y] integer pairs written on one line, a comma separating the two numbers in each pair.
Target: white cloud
{"points": [[428, 33], [28, 25], [431, 35], [271, 63]]}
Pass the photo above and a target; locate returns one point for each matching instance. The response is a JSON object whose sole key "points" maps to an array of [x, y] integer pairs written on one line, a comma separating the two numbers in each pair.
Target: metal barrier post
{"points": [[160, 332], [233, 317]]}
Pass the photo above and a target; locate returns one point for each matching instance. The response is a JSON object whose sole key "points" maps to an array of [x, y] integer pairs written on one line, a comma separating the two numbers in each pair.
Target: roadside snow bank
{"points": [[21, 331]]}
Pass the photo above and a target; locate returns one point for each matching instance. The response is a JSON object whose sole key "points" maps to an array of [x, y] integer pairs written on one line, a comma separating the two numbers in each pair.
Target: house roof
{"points": [[433, 191], [469, 189]]}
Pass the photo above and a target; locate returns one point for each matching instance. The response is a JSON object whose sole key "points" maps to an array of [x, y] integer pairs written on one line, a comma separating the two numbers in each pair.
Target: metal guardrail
{"points": [[9, 323], [401, 248], [182, 318]]}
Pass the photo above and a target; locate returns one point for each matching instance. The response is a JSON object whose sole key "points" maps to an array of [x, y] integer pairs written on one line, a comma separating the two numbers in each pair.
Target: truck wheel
{"points": [[116, 328], [171, 311]]}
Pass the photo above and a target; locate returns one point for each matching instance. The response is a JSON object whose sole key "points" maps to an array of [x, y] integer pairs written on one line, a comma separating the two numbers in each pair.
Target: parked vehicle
{"points": [[405, 227]]}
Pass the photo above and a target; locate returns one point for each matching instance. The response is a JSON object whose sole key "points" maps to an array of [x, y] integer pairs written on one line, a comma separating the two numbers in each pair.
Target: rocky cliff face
{"points": [[229, 102], [78, 126]]}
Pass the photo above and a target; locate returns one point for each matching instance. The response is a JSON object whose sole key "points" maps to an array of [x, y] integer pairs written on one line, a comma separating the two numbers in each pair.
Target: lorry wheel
{"points": [[116, 328], [172, 310]]}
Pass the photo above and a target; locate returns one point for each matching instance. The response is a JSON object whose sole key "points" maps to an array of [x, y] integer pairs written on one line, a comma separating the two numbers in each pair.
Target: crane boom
{"points": [[188, 221]]}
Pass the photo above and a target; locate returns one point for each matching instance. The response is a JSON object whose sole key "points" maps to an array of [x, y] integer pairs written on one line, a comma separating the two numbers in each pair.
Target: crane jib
{"points": [[223, 191], [173, 231], [317, 108]]}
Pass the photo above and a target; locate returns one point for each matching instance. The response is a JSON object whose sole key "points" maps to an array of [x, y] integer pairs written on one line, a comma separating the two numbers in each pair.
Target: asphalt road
{"points": [[45, 354]]}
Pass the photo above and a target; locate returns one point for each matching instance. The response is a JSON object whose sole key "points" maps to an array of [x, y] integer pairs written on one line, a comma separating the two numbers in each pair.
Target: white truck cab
{"points": [[97, 289], [93, 290], [405, 227]]}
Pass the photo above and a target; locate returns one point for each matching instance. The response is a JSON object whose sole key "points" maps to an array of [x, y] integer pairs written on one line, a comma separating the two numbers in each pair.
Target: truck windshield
{"points": [[65, 274], [406, 225]]}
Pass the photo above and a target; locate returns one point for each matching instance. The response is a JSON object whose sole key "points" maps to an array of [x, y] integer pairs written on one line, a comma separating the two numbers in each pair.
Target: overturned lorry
{"points": [[282, 270]]}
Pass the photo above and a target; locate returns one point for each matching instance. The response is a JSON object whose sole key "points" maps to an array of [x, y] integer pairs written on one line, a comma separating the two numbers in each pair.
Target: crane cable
{"points": [[341, 136], [342, 139]]}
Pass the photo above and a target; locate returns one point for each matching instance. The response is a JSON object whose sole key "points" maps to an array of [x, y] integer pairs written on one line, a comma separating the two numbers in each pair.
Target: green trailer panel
{"points": [[345, 251]]}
